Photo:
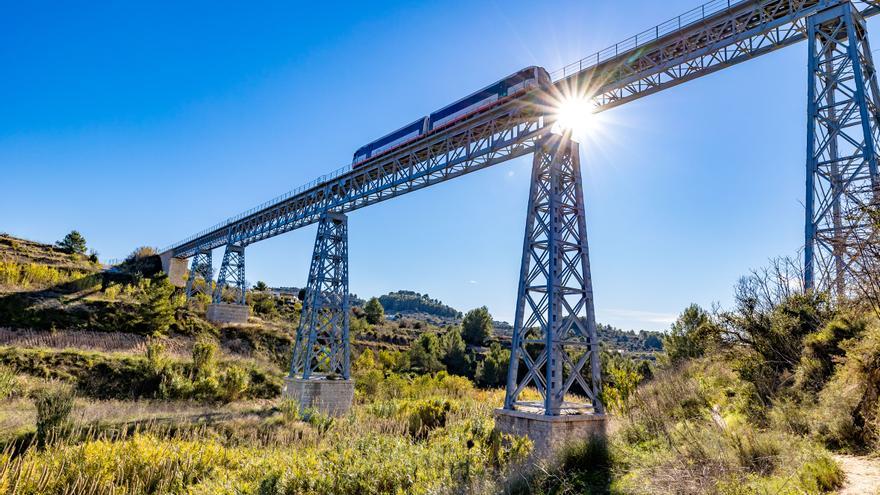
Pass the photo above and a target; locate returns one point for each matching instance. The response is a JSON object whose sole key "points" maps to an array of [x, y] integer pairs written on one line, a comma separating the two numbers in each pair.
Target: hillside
{"points": [[98, 370], [411, 303]]}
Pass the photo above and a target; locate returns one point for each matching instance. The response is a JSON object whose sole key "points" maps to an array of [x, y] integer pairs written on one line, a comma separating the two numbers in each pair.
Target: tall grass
{"points": [[34, 275], [364, 452]]}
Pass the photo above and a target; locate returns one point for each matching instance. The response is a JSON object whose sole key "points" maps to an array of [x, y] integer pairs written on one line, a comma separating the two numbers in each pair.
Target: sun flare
{"points": [[576, 115]]}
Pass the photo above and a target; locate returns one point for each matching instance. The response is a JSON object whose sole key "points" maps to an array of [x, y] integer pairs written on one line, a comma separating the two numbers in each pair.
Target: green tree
{"points": [[374, 311], [141, 253], [73, 243], [156, 311], [621, 377], [425, 353], [692, 334], [492, 371], [454, 351], [261, 286], [263, 304], [477, 326]]}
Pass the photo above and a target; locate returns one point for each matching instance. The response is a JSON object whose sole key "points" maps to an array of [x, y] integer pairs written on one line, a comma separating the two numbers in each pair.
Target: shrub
{"points": [[8, 382], [425, 353], [53, 408], [112, 291], [492, 371], [289, 410], [847, 412], [30, 275], [427, 415], [692, 334], [620, 381], [454, 351], [204, 357], [821, 348], [263, 304], [233, 383]]}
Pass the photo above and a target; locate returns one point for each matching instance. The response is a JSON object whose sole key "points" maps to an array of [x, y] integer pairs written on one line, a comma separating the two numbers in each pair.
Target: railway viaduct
{"points": [[555, 348]]}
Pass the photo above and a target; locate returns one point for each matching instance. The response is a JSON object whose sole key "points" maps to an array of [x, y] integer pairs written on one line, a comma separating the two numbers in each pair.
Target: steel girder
{"points": [[504, 133], [202, 267], [322, 345], [231, 274], [737, 33], [842, 154], [554, 333]]}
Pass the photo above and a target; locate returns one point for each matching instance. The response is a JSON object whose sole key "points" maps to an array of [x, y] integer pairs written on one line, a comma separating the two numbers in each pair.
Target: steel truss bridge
{"points": [[555, 347]]}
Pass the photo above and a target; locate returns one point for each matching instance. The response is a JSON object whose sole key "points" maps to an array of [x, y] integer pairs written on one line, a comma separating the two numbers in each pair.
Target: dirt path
{"points": [[862, 475]]}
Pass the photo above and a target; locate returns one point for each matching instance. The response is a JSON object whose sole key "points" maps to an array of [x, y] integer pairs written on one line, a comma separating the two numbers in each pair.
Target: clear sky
{"points": [[140, 123]]}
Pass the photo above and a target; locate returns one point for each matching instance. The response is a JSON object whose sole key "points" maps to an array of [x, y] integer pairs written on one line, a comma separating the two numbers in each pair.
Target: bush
{"points": [[821, 349], [847, 412], [204, 357], [53, 408], [427, 415], [425, 354], [492, 371], [692, 334], [8, 382], [263, 304], [233, 383]]}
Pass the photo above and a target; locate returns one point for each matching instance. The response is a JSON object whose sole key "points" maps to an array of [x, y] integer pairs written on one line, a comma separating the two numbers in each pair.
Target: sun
{"points": [[576, 115]]}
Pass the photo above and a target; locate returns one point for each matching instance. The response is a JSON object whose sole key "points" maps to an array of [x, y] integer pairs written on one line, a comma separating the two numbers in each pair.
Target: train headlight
{"points": [[577, 116]]}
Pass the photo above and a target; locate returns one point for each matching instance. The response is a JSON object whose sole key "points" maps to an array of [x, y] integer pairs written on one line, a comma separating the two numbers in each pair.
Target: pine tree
{"points": [[156, 309], [374, 311], [454, 352], [73, 243], [492, 372], [477, 326]]}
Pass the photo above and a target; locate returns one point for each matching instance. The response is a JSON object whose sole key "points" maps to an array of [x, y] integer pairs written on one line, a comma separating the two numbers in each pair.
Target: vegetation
{"points": [[53, 408], [405, 301], [477, 326], [73, 243], [423, 435], [751, 399], [374, 311]]}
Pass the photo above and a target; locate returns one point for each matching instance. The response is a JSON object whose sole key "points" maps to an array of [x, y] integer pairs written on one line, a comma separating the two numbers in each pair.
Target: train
{"points": [[502, 90]]}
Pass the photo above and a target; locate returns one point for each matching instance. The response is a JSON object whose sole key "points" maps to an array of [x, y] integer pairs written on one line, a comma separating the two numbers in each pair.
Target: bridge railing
{"points": [[278, 199], [648, 36]]}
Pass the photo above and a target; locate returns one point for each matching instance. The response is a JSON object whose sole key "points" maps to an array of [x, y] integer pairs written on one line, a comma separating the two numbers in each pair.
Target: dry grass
{"points": [[262, 447]]}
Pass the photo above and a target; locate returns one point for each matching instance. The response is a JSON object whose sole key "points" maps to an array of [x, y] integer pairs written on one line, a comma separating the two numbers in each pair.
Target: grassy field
{"points": [[423, 435]]}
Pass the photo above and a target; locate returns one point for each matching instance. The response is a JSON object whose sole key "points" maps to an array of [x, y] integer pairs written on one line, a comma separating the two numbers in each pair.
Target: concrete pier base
{"points": [[228, 313], [175, 268], [550, 434], [333, 397]]}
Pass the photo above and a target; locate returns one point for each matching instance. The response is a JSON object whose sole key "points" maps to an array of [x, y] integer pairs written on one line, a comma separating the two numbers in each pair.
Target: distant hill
{"points": [[629, 340], [409, 302]]}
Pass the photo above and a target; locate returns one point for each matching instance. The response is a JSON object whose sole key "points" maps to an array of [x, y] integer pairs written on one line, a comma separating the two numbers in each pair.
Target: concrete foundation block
{"points": [[550, 434], [333, 397], [175, 268], [228, 313]]}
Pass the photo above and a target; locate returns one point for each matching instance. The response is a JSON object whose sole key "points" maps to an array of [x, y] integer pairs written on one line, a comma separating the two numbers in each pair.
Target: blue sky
{"points": [[141, 123]]}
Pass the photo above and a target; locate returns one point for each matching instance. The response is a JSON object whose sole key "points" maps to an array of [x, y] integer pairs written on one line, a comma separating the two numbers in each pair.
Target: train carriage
{"points": [[518, 82]]}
